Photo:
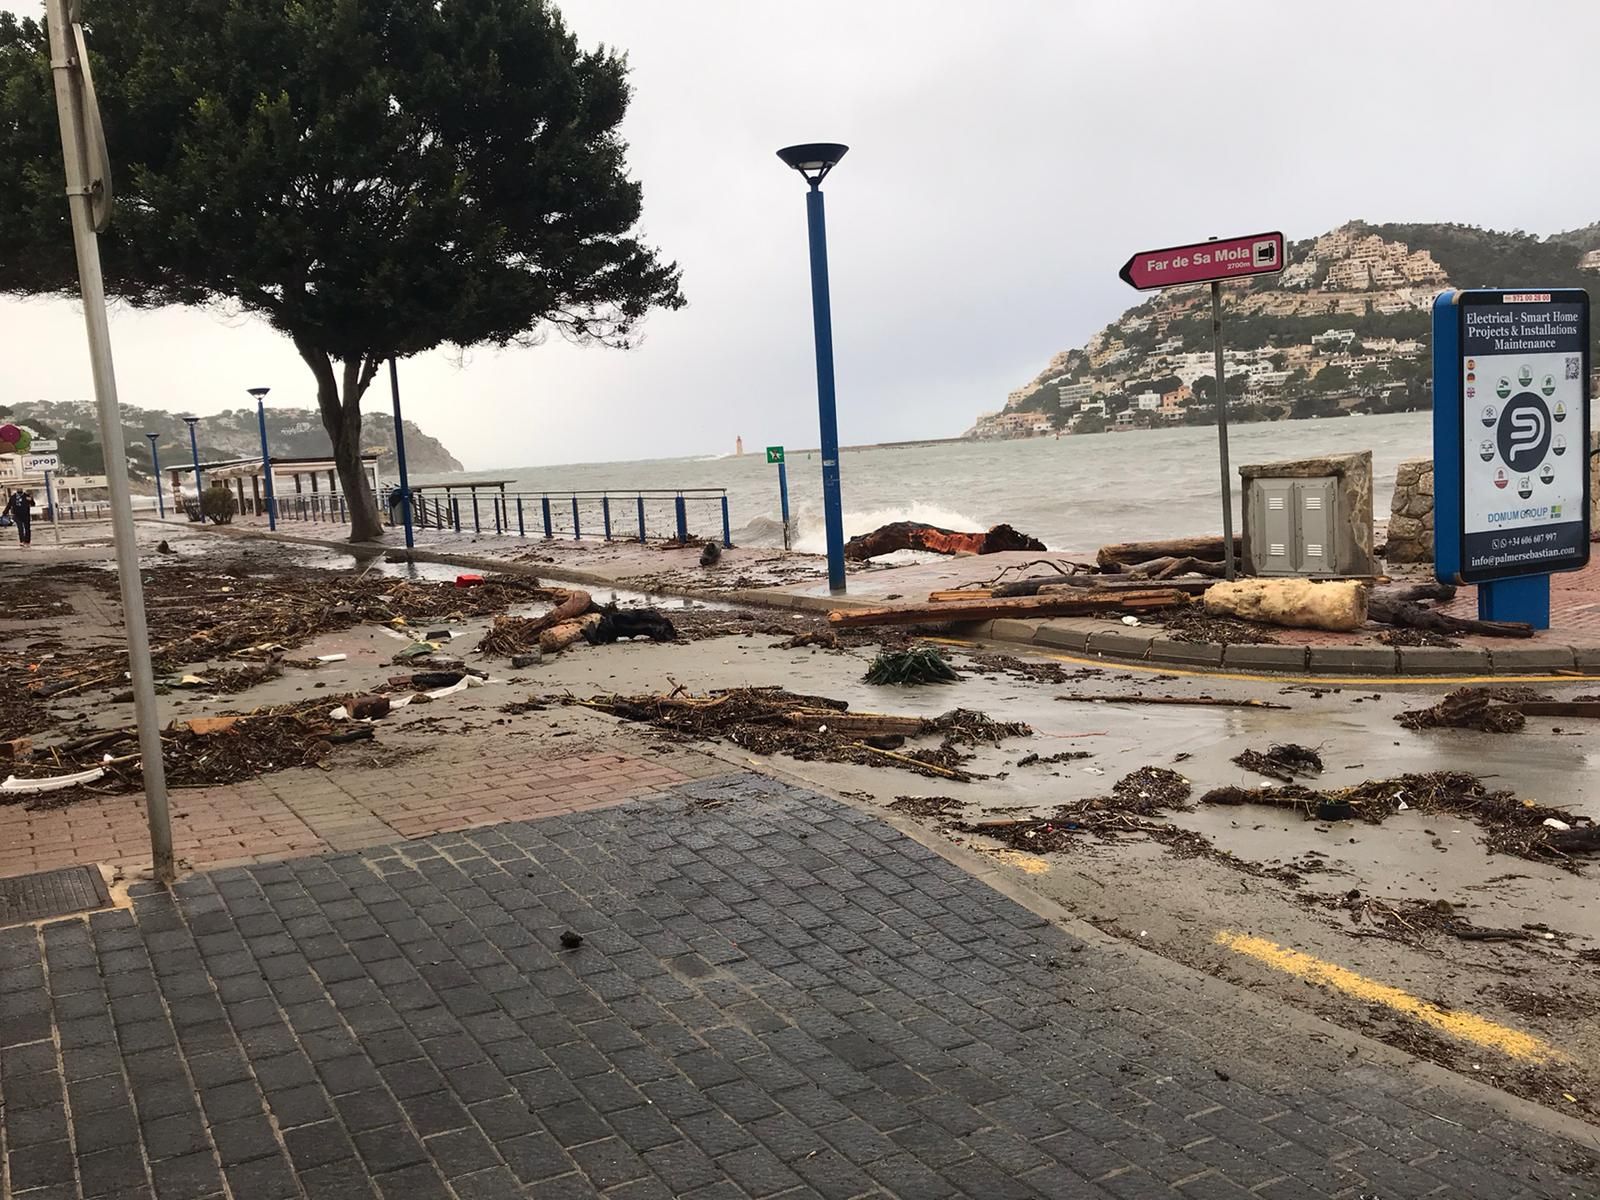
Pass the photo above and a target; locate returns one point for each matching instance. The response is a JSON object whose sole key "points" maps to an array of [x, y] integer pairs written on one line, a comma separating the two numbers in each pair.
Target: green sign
{"points": [[774, 454]]}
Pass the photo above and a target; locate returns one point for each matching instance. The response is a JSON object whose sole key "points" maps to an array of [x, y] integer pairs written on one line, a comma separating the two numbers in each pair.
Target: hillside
{"points": [[1344, 328], [291, 433]]}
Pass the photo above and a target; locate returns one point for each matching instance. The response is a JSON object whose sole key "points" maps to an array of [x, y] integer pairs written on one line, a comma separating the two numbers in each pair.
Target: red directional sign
{"points": [[1230, 258]]}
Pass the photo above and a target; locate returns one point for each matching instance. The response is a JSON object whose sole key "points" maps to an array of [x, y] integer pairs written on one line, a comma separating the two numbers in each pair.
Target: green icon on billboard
{"points": [[774, 454], [1548, 385], [1503, 388], [1525, 376]]}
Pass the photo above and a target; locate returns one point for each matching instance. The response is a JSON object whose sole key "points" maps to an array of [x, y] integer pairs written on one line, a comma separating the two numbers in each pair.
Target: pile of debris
{"points": [[1413, 921], [811, 728], [1503, 709], [1135, 799], [201, 752], [1284, 762], [1522, 828]]}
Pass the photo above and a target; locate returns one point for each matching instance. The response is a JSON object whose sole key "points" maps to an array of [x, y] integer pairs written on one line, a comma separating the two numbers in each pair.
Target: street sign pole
{"points": [[1211, 262], [88, 178], [50, 499], [400, 454], [775, 455], [1220, 394]]}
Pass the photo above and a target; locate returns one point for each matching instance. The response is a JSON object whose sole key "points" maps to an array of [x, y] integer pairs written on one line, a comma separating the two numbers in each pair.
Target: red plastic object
{"points": [[465, 581]]}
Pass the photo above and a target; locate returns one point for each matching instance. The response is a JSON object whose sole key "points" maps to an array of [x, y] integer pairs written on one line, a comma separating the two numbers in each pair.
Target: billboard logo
{"points": [[1559, 446], [1524, 433]]}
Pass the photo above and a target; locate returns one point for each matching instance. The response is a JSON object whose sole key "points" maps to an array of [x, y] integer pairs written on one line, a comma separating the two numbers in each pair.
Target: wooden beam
{"points": [[1072, 604]]}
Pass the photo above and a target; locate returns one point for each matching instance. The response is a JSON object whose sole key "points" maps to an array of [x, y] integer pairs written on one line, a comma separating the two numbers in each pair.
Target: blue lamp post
{"points": [[814, 160], [400, 454], [194, 449], [260, 393], [155, 466]]}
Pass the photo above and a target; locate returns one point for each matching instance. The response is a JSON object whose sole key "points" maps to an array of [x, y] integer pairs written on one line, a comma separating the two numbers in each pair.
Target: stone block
{"points": [[1011, 629], [1265, 658], [1060, 635], [1203, 654], [1353, 660], [1442, 660], [1513, 659], [1587, 659], [1117, 644]]}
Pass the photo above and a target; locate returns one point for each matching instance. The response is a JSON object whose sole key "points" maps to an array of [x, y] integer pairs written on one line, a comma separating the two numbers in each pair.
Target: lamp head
{"points": [[259, 392], [191, 422], [152, 437], [813, 159]]}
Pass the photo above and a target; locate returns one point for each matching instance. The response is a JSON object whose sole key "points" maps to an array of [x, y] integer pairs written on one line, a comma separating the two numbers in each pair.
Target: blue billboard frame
{"points": [[1511, 595]]}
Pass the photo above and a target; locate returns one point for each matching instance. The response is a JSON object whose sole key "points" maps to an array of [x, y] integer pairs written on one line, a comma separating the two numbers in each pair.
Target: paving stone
{"points": [[1353, 660], [1115, 644], [1515, 659], [720, 1036], [1443, 660], [1204, 654], [1265, 658]]}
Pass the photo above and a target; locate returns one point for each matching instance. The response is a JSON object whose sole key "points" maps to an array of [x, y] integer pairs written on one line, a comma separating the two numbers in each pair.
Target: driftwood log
{"points": [[1067, 603], [1388, 611], [1296, 603], [1169, 566], [914, 535], [1120, 555]]}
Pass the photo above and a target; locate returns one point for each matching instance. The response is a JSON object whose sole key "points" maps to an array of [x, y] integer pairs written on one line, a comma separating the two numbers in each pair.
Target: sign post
{"points": [[1211, 262], [775, 455], [50, 501], [88, 175], [1511, 444]]}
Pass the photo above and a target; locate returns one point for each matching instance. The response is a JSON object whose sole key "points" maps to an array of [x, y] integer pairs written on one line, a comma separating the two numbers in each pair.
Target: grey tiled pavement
{"points": [[777, 995]]}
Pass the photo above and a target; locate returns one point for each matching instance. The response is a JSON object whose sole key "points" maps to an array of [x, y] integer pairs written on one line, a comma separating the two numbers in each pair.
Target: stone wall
{"points": [[1411, 513], [1411, 510]]}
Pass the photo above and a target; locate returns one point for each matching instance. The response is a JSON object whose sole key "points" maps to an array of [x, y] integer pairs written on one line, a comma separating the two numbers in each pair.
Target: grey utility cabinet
{"points": [[1309, 516]]}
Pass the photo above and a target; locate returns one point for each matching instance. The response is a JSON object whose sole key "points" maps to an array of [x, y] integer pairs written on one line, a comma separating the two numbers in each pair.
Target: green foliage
{"points": [[218, 505], [372, 179], [905, 667], [81, 453]]}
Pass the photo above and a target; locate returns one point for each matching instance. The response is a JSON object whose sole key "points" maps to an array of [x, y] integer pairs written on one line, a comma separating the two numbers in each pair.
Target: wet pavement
{"points": [[775, 995]]}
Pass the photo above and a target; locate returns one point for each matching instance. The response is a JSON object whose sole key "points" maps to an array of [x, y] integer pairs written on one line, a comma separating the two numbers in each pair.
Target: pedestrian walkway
{"points": [[471, 780], [775, 995]]}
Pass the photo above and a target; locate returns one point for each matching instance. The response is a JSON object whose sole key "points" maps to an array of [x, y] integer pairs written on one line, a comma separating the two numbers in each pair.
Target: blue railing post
{"points": [[549, 529], [344, 514], [641, 518], [727, 533], [455, 512], [605, 514], [497, 516], [683, 520], [575, 534], [522, 530], [476, 526]]}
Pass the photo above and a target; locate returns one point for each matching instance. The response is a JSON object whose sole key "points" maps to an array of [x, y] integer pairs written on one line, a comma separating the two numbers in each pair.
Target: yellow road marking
{"points": [[1464, 1025], [1030, 864], [1285, 677]]}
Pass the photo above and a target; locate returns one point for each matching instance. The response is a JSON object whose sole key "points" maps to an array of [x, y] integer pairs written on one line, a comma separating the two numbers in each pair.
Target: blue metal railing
{"points": [[683, 514]]}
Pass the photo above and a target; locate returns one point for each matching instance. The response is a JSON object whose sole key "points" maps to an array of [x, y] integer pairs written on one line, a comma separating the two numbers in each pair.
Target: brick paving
{"points": [[304, 811], [777, 995]]}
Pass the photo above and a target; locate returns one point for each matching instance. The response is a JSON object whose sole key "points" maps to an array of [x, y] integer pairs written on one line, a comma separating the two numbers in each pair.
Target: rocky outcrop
{"points": [[1411, 513]]}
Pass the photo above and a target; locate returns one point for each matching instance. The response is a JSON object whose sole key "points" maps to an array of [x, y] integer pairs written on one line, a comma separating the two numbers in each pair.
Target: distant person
{"points": [[21, 510]]}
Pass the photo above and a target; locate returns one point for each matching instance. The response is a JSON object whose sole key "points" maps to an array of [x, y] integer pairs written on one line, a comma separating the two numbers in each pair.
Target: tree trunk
{"points": [[341, 417]]}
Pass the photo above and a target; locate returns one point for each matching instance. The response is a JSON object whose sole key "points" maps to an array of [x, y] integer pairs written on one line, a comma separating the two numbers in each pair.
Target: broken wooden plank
{"points": [[1557, 708], [1125, 554], [1070, 605], [1197, 701]]}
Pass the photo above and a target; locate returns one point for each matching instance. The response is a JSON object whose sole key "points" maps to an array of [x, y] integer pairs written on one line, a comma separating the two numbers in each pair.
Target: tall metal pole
{"points": [[400, 453], [1220, 391], [55, 517], [194, 449], [266, 458], [822, 320], [66, 70], [783, 500], [155, 466]]}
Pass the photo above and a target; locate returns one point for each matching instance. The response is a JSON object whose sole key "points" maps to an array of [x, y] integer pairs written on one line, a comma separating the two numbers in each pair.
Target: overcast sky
{"points": [[1005, 158]]}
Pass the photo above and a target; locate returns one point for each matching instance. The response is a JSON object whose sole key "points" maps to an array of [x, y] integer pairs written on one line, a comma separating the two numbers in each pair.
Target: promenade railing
{"points": [[640, 515]]}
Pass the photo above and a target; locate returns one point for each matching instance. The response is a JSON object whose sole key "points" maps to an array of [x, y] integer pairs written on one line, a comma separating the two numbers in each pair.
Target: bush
{"points": [[218, 505]]}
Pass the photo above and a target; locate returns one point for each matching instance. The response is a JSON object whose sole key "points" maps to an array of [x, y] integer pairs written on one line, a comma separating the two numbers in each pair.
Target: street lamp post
{"points": [[260, 393], [814, 161], [155, 466], [194, 450]]}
